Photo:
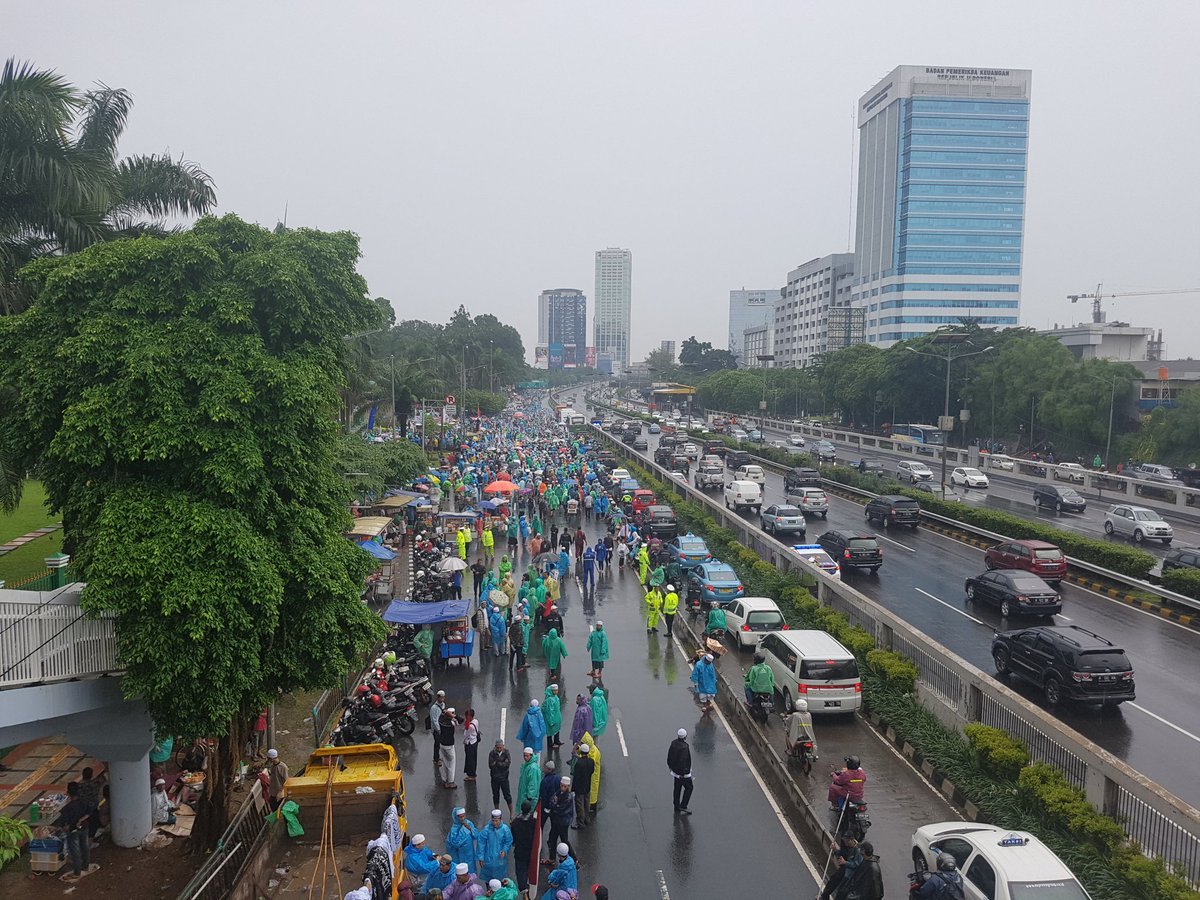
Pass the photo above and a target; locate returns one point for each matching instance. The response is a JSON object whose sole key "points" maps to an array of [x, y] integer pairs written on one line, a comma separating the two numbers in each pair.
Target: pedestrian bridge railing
{"points": [[45, 636]]}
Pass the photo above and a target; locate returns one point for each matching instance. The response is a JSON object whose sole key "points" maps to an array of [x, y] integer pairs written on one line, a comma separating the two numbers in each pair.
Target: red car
{"points": [[642, 499], [1040, 558]]}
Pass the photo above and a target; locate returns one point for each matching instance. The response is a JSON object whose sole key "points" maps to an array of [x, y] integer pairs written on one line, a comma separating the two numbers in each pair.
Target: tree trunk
{"points": [[213, 809]]}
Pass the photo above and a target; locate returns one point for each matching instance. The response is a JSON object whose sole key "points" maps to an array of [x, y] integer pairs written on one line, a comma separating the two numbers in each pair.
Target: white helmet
{"points": [[800, 704]]}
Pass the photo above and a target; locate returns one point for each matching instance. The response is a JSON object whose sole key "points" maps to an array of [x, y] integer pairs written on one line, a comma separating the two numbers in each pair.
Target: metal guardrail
{"points": [[45, 636], [959, 693], [217, 877]]}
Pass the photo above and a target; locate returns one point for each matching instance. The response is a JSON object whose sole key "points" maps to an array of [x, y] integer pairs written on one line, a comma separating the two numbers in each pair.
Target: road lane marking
{"points": [[953, 608], [897, 543], [503, 720], [621, 738], [662, 885], [753, 770], [1182, 731]]}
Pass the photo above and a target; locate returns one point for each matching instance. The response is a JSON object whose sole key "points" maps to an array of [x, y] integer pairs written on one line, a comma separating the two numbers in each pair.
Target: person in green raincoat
{"points": [[716, 622], [654, 599], [658, 575], [505, 566], [599, 711], [539, 592], [552, 713], [531, 778], [423, 641], [643, 560], [555, 650], [597, 645], [537, 524]]}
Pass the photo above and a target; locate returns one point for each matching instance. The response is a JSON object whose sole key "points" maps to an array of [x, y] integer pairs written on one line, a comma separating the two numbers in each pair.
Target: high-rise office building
{"points": [[611, 319], [669, 347], [748, 309], [941, 199], [562, 326], [801, 326]]}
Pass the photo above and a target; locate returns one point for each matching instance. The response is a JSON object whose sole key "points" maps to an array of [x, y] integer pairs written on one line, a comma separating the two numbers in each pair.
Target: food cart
{"points": [[457, 638]]}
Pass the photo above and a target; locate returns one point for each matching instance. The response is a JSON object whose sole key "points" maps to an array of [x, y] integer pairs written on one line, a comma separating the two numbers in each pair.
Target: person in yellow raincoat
{"points": [[654, 599], [552, 589], [643, 560], [509, 587], [594, 756]]}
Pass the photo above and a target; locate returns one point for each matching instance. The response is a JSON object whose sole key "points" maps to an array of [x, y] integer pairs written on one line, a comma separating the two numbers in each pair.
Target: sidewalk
{"points": [[19, 542]]}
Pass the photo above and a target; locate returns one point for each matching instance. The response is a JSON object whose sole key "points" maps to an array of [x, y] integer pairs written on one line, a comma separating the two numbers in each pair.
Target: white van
{"points": [[751, 473], [813, 665], [743, 495]]}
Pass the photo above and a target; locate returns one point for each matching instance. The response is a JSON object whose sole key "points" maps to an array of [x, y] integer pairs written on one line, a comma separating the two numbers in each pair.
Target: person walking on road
{"points": [[446, 727], [495, 844], [599, 710], [533, 726], [498, 628], [499, 763], [704, 677], [516, 643], [531, 777], [470, 746], [582, 722], [583, 768], [552, 714], [588, 570], [597, 646], [670, 607], [524, 833], [462, 843], [555, 649], [435, 720], [561, 810], [679, 761]]}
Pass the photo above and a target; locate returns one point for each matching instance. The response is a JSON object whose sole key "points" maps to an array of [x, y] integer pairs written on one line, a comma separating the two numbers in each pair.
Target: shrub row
{"points": [[1183, 581], [998, 751]]}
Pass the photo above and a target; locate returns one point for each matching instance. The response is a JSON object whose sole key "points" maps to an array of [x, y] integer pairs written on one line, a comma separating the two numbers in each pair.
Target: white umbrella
{"points": [[452, 564]]}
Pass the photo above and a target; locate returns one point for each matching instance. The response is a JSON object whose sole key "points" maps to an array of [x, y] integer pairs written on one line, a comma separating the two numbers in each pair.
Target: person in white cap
{"points": [[704, 677], [495, 847], [462, 842], [583, 767], [419, 861], [679, 761], [435, 716], [277, 773], [161, 807], [464, 886], [670, 607], [564, 875], [560, 807]]}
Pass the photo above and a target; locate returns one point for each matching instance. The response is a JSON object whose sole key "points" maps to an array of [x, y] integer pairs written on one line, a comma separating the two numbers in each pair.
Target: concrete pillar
{"points": [[129, 800]]}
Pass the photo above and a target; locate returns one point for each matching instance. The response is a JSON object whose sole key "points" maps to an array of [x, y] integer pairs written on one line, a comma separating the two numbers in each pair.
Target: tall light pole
{"points": [[947, 423], [763, 359], [392, 357], [491, 366]]}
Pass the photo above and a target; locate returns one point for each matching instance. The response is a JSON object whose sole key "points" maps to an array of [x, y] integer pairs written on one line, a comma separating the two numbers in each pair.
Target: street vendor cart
{"points": [[458, 637]]}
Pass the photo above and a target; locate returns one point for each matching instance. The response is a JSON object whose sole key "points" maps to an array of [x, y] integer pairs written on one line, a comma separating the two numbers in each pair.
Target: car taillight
{"points": [[1127, 676], [847, 554], [801, 688], [785, 628], [745, 628], [858, 687], [1081, 676]]}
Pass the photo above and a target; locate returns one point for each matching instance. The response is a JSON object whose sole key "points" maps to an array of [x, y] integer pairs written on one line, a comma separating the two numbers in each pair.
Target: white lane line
{"points": [[503, 720], [662, 885], [621, 738], [897, 543], [953, 608], [1182, 731], [753, 770], [1064, 618]]}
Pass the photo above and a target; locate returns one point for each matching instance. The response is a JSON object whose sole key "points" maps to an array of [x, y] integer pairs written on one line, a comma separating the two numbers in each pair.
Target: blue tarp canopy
{"points": [[468, 514], [405, 612], [377, 550]]}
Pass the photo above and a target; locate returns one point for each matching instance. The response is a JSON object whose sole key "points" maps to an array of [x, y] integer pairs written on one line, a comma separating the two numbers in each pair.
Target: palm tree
{"points": [[62, 185]]}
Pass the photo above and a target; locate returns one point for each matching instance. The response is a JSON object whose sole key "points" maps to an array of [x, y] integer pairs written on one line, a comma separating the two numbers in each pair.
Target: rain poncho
{"points": [[643, 561], [594, 756], [438, 879], [658, 576], [704, 676], [462, 842], [582, 723], [533, 729], [423, 641], [552, 590], [493, 841], [420, 863], [505, 566], [653, 605], [599, 712], [489, 541], [716, 619], [552, 712], [530, 783], [670, 604], [597, 645], [760, 679], [554, 648], [498, 626], [563, 875]]}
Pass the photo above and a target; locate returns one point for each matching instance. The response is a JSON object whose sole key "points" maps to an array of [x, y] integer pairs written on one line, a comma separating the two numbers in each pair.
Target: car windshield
{"points": [[721, 576], [971, 472], [1103, 659], [1027, 583], [764, 617], [864, 543], [828, 669], [1052, 553], [1144, 515], [692, 546], [1070, 495], [815, 495], [1046, 890], [787, 511]]}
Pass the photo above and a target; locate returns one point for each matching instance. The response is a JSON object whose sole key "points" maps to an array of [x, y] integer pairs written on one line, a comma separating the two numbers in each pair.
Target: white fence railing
{"points": [[45, 636]]}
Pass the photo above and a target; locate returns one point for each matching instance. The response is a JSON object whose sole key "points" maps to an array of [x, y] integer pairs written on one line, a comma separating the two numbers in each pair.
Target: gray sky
{"points": [[483, 151]]}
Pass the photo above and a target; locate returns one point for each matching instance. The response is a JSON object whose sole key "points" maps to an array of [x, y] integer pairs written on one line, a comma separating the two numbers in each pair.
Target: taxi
{"points": [[715, 582], [689, 550]]}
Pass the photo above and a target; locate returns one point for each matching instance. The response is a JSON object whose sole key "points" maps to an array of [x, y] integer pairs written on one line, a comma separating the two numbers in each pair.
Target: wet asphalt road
{"points": [[636, 845], [922, 580]]}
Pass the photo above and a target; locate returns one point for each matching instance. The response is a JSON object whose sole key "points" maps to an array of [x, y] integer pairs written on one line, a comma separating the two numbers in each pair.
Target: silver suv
{"points": [[1138, 523]]}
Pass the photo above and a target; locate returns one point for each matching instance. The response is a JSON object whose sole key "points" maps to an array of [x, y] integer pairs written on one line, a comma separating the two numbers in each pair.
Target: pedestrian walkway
{"points": [[19, 542]]}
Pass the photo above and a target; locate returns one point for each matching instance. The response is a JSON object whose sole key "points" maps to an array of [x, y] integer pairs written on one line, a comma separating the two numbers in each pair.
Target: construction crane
{"points": [[1098, 295]]}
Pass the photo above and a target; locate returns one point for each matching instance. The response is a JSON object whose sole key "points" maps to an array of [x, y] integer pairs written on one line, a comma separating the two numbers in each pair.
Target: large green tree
{"points": [[178, 397]]}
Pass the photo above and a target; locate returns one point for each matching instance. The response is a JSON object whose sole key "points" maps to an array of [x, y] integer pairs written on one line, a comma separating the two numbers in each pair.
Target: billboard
{"points": [[556, 356], [570, 359], [541, 356], [590, 357]]}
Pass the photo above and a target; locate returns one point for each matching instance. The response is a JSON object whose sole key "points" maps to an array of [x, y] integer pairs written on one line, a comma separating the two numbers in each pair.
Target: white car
{"points": [[711, 459], [970, 477], [996, 864], [747, 619], [751, 473], [1000, 461], [914, 471], [1138, 523], [779, 444], [691, 451], [618, 475], [739, 435], [796, 440], [1068, 472]]}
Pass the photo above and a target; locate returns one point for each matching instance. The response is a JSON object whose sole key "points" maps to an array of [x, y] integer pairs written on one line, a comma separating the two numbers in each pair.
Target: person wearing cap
{"points": [[446, 726], [554, 620], [533, 726], [462, 843], [653, 601], [582, 770], [277, 774], [561, 810], [704, 677], [495, 846], [529, 784], [419, 861], [552, 714], [440, 877], [597, 646], [501, 890], [679, 761], [564, 874], [161, 808], [499, 763], [670, 607], [464, 886]]}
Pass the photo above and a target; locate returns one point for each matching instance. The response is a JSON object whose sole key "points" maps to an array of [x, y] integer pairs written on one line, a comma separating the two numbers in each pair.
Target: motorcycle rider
{"points": [[798, 727], [945, 883], [715, 624], [759, 680], [849, 783]]}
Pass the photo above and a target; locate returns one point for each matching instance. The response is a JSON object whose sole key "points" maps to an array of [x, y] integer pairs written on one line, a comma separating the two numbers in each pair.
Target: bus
{"points": [[929, 435]]}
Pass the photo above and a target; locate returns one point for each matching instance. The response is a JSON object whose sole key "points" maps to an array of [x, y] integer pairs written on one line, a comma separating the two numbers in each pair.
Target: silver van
{"points": [[813, 665]]}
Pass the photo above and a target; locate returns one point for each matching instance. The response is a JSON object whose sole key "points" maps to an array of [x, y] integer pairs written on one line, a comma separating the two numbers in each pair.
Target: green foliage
{"points": [[484, 401], [1173, 435], [1068, 808], [895, 669], [369, 467], [1183, 581], [999, 752], [13, 835], [178, 397]]}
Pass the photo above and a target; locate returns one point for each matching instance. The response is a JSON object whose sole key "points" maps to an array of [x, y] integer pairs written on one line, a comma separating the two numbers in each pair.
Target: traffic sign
{"points": [[450, 399]]}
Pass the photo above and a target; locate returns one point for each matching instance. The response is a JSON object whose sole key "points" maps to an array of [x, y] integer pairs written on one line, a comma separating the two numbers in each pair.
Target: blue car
{"points": [[714, 581], [629, 485], [689, 551]]}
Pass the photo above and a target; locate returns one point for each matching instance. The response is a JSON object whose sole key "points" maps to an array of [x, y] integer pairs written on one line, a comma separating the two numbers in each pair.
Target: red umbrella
{"points": [[500, 486], [503, 476]]}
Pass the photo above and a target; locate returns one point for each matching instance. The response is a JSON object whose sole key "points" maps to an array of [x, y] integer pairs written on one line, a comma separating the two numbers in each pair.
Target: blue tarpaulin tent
{"points": [[377, 550], [405, 612]]}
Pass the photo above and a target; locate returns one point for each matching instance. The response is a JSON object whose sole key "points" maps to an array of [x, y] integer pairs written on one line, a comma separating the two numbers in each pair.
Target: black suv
{"points": [[1058, 498], [1181, 558], [870, 467], [660, 522], [716, 448], [662, 455], [853, 549], [1067, 662], [801, 477], [735, 459], [892, 509]]}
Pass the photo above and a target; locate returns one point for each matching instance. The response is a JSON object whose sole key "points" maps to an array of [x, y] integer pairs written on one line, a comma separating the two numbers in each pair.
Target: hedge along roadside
{"points": [[988, 766]]}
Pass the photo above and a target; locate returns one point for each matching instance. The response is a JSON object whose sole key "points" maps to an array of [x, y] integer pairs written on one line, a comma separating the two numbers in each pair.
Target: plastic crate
{"points": [[46, 845], [41, 861]]}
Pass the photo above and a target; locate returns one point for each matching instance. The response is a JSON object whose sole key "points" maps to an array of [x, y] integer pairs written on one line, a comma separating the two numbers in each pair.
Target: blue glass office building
{"points": [[941, 199]]}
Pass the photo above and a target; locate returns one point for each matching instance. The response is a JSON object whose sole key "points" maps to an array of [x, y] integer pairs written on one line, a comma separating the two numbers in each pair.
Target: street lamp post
{"points": [[764, 358], [951, 341], [491, 366]]}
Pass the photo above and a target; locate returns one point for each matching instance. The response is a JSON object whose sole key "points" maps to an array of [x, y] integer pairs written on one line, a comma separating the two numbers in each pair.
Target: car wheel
{"points": [[1138, 537], [1108, 529], [1000, 658], [988, 564], [1005, 608], [874, 570], [887, 521], [788, 706], [825, 515], [920, 865], [1166, 542], [1053, 691], [727, 504], [971, 592]]}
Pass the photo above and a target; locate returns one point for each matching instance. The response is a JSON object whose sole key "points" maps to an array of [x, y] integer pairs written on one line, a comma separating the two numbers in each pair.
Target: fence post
{"points": [[57, 564]]}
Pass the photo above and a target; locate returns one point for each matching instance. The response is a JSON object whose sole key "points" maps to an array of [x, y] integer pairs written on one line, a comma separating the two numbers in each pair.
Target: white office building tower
{"points": [[802, 326], [748, 309], [611, 316]]}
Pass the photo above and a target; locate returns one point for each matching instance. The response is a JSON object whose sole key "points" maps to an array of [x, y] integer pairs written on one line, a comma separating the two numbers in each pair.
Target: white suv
{"points": [[1138, 523], [914, 471], [751, 473]]}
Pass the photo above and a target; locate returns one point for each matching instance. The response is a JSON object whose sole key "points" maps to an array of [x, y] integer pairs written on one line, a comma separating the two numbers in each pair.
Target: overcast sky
{"points": [[484, 151]]}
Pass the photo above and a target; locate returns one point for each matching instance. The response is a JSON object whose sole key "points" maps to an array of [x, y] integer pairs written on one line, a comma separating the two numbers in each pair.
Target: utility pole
{"points": [[392, 357], [491, 366], [763, 359]]}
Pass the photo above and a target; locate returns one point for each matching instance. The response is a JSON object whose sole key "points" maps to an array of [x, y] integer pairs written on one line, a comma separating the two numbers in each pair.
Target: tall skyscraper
{"points": [[562, 326], [748, 309], [941, 199], [610, 324], [669, 347]]}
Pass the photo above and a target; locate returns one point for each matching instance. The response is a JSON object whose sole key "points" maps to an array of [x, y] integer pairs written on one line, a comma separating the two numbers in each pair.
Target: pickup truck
{"points": [[709, 476]]}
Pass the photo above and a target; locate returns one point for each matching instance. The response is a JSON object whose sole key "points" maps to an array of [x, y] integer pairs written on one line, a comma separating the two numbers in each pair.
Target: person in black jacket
{"points": [[524, 832], [679, 761], [499, 762], [583, 768]]}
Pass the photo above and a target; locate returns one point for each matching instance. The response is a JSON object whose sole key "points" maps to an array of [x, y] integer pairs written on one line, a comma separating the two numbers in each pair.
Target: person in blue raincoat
{"points": [[463, 840], [442, 874], [563, 875], [588, 575], [533, 727], [419, 860], [704, 676], [498, 628], [495, 848], [564, 566]]}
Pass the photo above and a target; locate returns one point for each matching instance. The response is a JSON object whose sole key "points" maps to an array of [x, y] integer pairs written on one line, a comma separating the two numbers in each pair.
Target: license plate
{"points": [[724, 590], [829, 703], [1108, 677]]}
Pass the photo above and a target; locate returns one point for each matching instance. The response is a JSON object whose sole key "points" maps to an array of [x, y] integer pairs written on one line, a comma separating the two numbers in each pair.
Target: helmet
{"points": [[758, 657], [946, 862], [800, 704], [853, 762]]}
